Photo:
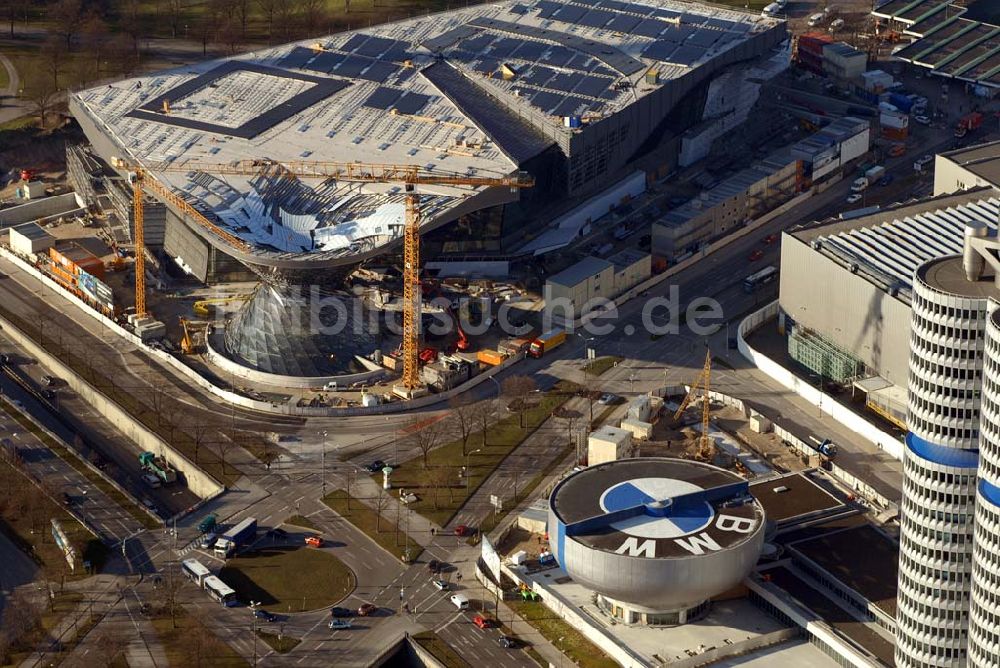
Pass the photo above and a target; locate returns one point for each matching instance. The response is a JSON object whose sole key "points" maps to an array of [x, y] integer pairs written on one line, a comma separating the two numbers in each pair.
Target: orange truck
{"points": [[491, 357], [546, 342]]}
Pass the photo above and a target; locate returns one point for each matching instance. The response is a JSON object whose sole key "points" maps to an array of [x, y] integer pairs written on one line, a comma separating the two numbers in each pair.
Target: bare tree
{"points": [[65, 15], [174, 10], [285, 16], [569, 418], [21, 616], [484, 417], [53, 58], [171, 588], [201, 647], [518, 389], [462, 419], [313, 14], [269, 8], [225, 444], [381, 503], [424, 437], [198, 434]]}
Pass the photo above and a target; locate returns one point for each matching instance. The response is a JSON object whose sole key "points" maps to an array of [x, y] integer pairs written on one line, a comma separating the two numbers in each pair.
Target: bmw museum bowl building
{"points": [[655, 538]]}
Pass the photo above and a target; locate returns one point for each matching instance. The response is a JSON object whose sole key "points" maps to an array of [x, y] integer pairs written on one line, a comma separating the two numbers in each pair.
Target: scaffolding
{"points": [[822, 357]]}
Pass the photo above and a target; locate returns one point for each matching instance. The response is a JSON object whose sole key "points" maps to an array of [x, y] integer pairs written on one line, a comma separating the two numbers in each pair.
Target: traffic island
{"points": [[280, 643], [379, 528], [288, 579]]}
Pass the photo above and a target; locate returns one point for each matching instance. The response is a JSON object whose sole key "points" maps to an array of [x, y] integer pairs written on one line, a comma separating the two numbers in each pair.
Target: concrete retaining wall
{"points": [[238, 399], [41, 208], [197, 481], [821, 400], [302, 382]]}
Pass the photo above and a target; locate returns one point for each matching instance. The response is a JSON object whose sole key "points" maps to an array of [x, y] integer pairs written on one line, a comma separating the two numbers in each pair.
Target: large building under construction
{"points": [[570, 92]]}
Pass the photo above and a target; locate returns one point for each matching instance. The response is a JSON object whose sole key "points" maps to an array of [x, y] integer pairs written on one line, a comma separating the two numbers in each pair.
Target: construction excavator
{"points": [[410, 176], [201, 306], [706, 445]]}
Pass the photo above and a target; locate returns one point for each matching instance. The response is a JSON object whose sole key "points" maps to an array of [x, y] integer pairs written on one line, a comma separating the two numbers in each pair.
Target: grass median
{"points": [[188, 642], [286, 578], [601, 364], [281, 644], [441, 488], [382, 530], [563, 637]]}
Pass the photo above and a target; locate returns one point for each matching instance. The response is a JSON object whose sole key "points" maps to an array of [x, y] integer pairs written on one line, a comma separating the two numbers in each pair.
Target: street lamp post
{"points": [[253, 618], [467, 472], [323, 433]]}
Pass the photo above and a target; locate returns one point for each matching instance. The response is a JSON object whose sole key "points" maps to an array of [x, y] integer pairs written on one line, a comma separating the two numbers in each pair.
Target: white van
{"points": [[460, 601], [771, 10], [836, 25], [816, 19]]}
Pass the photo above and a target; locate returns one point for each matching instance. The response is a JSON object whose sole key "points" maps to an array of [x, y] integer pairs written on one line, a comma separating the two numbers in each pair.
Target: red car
{"points": [[756, 255], [462, 530], [770, 239], [314, 541], [367, 610], [482, 622]]}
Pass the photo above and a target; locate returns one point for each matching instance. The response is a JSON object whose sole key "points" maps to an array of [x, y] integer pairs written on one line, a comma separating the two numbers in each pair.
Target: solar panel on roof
{"points": [[564, 82], [411, 103], [296, 58], [570, 106], [674, 34], [379, 71], [518, 9], [569, 14], [382, 98], [592, 86], [531, 50], [352, 66], [558, 56], [325, 62], [596, 18], [375, 46], [547, 8], [659, 50], [687, 55], [649, 28], [623, 23], [720, 24], [486, 66], [538, 76], [704, 38], [546, 101], [405, 74], [398, 52], [592, 3], [447, 38], [666, 13], [502, 48], [614, 5], [355, 41], [478, 43]]}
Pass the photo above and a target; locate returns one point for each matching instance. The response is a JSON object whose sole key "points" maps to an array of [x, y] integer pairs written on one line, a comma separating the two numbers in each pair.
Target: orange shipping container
{"points": [[491, 357]]}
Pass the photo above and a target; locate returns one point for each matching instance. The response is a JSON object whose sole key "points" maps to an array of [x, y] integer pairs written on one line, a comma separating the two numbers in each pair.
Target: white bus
{"points": [[762, 277], [220, 591], [195, 571]]}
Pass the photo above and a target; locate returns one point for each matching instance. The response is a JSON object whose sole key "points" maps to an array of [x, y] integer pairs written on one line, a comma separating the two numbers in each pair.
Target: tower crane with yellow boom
{"points": [[706, 448], [410, 176]]}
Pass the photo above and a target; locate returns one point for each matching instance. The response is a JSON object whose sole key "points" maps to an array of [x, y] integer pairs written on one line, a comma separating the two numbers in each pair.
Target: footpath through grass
{"points": [[286, 578], [563, 637], [383, 531], [441, 490]]}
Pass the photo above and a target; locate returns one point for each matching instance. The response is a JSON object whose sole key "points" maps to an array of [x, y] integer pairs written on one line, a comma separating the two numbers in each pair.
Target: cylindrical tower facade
{"points": [[936, 526], [984, 612]]}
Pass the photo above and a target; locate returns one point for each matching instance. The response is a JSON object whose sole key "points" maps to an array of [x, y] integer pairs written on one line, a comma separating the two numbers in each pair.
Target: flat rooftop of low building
{"points": [[624, 259], [32, 231], [832, 613], [581, 271], [800, 496], [862, 558], [887, 246], [983, 160]]}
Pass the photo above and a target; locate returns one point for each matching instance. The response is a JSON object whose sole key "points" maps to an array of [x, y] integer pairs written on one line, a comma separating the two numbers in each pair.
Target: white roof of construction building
{"points": [[475, 91]]}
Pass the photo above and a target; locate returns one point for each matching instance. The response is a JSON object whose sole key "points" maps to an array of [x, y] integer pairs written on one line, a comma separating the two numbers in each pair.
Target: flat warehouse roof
{"points": [[862, 558], [802, 497]]}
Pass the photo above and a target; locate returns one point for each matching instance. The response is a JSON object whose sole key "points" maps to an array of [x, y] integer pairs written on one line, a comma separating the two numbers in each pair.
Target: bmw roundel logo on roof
{"points": [[646, 491]]}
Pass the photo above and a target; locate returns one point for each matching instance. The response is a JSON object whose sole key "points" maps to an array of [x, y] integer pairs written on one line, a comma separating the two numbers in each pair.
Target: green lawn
{"points": [[302, 521], [601, 364], [573, 644], [440, 650], [441, 492], [384, 531], [289, 579], [282, 645], [188, 642]]}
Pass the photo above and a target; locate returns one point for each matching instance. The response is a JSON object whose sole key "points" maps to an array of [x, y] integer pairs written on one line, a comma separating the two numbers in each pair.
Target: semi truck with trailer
{"points": [[235, 538], [546, 342]]}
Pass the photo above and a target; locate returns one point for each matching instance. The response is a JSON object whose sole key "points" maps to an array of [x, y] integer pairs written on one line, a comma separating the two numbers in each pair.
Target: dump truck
{"points": [[968, 123], [513, 346], [491, 357], [546, 342], [158, 466], [235, 538]]}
